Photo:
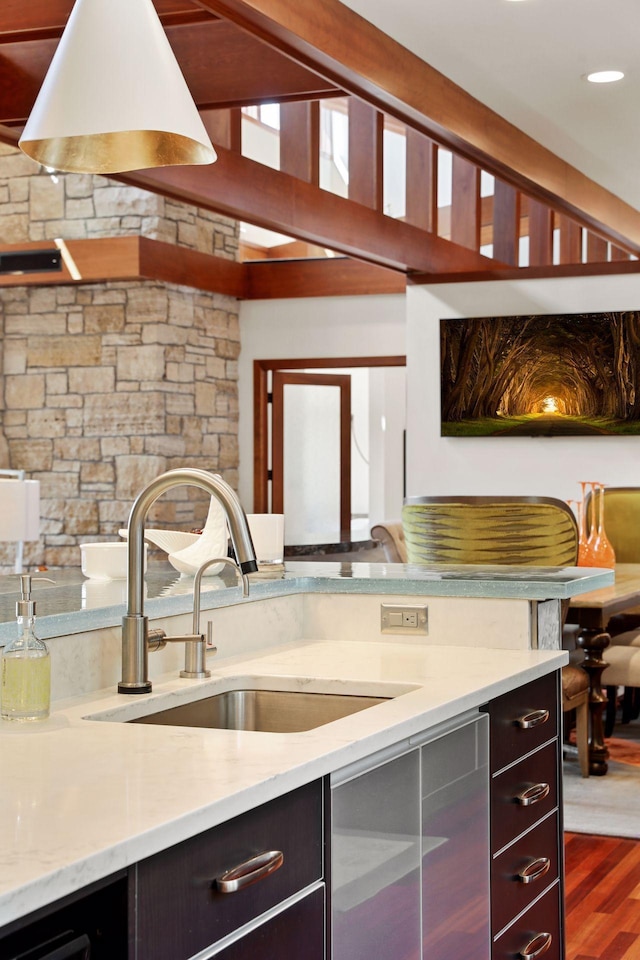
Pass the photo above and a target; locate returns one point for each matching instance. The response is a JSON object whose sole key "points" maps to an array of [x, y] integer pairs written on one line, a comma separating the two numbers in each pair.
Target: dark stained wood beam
{"points": [[335, 277], [353, 54], [223, 67], [132, 258], [39, 18], [613, 268], [245, 190]]}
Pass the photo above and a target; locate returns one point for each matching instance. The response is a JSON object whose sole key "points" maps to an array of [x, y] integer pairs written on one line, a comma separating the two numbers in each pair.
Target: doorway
{"points": [[329, 445]]}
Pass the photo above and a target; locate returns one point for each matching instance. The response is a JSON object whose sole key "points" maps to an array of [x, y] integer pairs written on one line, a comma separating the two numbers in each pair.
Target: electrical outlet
{"points": [[404, 618]]}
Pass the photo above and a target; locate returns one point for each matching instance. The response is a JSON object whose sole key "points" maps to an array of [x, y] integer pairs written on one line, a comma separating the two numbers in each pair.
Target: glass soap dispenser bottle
{"points": [[25, 682]]}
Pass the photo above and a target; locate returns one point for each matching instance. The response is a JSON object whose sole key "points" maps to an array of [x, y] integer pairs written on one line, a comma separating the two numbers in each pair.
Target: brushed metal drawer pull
{"points": [[533, 794], [534, 870], [536, 947], [533, 719], [250, 871]]}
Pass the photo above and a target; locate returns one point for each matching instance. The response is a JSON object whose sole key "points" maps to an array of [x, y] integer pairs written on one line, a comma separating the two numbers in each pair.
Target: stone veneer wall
{"points": [[104, 386]]}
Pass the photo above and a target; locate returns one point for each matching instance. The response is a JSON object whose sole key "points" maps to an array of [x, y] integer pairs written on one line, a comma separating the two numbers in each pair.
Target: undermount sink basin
{"points": [[269, 711]]}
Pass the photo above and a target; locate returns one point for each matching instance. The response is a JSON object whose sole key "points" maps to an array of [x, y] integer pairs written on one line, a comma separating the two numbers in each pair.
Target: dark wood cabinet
{"points": [[90, 923], [526, 822], [180, 908], [297, 932]]}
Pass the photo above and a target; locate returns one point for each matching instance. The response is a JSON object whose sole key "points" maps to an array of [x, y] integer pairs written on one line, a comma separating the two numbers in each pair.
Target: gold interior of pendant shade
{"points": [[117, 152]]}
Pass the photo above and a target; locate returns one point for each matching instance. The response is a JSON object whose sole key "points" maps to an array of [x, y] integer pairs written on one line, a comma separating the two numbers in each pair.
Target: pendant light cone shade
{"points": [[114, 97]]}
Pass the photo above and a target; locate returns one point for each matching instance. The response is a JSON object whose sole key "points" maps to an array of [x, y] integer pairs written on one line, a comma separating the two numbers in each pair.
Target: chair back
{"points": [[621, 521], [523, 531], [391, 536]]}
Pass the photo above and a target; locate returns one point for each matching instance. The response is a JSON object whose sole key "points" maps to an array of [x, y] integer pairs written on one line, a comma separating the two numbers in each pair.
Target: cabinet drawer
{"points": [[539, 925], [510, 816], [180, 908], [518, 722], [298, 931], [537, 850]]}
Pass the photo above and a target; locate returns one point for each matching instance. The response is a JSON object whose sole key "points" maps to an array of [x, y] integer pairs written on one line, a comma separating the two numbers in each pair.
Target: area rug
{"points": [[606, 806]]}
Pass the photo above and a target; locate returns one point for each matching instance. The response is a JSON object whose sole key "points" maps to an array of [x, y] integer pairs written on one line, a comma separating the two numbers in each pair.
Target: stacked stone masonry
{"points": [[104, 386]]}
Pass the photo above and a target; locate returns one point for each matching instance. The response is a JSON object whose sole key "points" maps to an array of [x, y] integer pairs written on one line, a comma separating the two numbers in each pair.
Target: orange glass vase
{"points": [[585, 553], [602, 552]]}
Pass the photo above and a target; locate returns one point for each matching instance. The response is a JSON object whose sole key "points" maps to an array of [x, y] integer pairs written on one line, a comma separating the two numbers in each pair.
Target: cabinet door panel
{"points": [[375, 863], [180, 910], [455, 839], [509, 817], [295, 934]]}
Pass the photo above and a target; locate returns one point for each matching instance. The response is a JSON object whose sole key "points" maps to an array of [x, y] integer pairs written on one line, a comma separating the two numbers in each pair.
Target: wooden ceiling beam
{"points": [[245, 190], [223, 67], [39, 19], [347, 50], [131, 258], [547, 271], [335, 277]]}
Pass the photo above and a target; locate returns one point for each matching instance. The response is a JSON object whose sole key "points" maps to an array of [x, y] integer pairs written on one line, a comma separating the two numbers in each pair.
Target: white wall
{"points": [[529, 466], [310, 327]]}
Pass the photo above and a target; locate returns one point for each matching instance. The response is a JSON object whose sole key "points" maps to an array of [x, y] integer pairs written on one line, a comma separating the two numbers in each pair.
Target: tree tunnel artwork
{"points": [[562, 375]]}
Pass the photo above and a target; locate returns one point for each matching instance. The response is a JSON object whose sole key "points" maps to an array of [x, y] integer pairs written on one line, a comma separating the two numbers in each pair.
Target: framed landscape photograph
{"points": [[566, 374]]}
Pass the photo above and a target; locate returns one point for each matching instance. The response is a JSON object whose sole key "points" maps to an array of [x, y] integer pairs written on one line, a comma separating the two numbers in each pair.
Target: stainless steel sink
{"points": [[269, 711]]}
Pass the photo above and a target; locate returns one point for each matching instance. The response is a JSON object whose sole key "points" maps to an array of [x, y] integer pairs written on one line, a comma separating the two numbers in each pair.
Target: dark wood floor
{"points": [[603, 898]]}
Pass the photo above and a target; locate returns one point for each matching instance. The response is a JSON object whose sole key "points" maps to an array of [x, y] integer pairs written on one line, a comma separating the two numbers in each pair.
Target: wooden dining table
{"points": [[592, 612]]}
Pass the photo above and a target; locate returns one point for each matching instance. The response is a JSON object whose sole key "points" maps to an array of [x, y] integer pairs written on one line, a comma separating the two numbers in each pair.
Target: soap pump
{"points": [[25, 684]]}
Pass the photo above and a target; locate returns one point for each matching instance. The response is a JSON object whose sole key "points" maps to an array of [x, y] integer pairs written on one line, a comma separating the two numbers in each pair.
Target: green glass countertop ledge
{"points": [[74, 604]]}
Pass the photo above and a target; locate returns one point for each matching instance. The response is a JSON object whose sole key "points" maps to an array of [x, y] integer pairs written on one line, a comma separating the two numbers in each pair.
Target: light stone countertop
{"points": [[82, 799], [75, 605]]}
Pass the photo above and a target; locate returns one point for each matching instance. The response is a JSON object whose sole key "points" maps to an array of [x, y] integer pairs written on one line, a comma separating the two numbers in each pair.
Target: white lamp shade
{"points": [[114, 97], [19, 510]]}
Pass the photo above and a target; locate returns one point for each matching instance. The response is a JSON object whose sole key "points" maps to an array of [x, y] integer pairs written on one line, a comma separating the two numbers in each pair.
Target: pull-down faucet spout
{"points": [[135, 677]]}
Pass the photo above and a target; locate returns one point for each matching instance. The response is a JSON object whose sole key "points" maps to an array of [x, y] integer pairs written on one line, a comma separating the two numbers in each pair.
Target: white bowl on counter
{"points": [[106, 561]]}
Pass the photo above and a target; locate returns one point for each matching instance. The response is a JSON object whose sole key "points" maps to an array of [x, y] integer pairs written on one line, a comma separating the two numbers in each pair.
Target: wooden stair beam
{"points": [[506, 223], [300, 140], [421, 180], [366, 125], [245, 190], [465, 203], [322, 37]]}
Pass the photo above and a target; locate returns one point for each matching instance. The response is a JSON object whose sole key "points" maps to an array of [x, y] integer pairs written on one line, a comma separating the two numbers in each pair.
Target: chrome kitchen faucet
{"points": [[135, 630]]}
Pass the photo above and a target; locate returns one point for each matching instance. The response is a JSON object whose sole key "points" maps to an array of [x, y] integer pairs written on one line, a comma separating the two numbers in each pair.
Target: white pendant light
{"points": [[114, 97]]}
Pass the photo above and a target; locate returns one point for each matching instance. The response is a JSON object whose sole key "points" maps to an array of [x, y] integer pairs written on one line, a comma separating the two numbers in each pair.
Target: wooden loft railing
{"points": [[299, 54], [499, 221]]}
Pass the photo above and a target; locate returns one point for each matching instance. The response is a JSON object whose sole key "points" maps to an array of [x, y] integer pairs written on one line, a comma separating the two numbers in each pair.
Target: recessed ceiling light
{"points": [[605, 76]]}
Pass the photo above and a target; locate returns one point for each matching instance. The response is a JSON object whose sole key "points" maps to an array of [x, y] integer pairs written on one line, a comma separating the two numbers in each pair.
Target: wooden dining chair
{"points": [[520, 531], [622, 526]]}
